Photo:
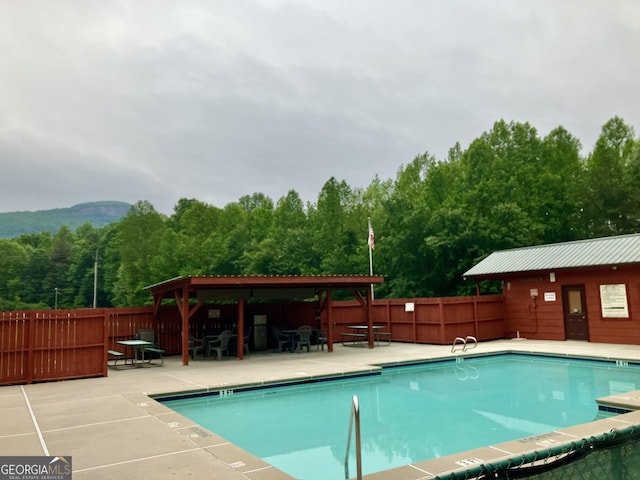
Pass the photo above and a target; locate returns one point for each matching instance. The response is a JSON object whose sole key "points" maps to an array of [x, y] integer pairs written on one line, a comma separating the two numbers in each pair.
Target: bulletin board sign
{"points": [[613, 300]]}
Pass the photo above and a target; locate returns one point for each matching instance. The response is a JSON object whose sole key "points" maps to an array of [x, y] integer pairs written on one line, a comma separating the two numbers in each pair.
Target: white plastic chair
{"points": [[304, 337], [281, 339], [195, 346], [219, 344]]}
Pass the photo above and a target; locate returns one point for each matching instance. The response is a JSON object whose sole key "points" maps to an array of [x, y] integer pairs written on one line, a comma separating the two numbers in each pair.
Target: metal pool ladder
{"points": [[464, 343], [354, 419]]}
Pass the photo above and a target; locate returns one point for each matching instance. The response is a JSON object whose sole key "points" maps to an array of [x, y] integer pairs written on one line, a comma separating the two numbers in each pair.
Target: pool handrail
{"points": [[464, 343], [354, 418]]}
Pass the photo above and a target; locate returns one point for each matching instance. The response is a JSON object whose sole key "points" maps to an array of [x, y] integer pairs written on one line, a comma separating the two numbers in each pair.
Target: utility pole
{"points": [[95, 281]]}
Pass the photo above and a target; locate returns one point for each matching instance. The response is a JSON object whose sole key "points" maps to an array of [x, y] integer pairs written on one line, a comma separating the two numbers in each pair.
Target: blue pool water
{"points": [[411, 413]]}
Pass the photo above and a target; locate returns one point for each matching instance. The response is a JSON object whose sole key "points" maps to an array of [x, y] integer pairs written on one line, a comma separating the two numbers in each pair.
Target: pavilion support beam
{"points": [[240, 332], [369, 318], [358, 296], [366, 303], [184, 312], [190, 311], [157, 301], [323, 299]]}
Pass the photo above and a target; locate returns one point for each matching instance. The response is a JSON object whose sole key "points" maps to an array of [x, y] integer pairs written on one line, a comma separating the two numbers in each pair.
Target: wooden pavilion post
{"points": [[184, 309], [370, 317], [240, 331]]}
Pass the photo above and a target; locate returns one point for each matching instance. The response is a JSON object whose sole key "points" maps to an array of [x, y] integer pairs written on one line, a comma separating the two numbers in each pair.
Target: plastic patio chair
{"points": [[195, 346], [147, 335], [151, 352], [304, 337], [321, 340], [219, 344], [245, 340], [280, 339]]}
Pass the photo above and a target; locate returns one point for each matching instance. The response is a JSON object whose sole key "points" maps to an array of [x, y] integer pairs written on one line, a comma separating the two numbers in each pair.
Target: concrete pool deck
{"points": [[112, 428]]}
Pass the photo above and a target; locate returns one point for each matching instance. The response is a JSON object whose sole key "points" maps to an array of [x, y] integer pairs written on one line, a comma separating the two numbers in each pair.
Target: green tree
{"points": [[260, 213], [109, 266], [333, 231], [287, 247], [170, 262], [492, 196], [401, 254], [608, 209], [38, 249], [58, 287], [82, 266], [196, 223], [139, 235], [632, 187], [13, 262], [368, 205], [560, 196], [227, 243]]}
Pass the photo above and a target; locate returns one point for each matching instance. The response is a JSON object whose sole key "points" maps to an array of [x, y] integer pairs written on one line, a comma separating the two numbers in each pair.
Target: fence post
{"points": [[441, 315], [413, 320], [105, 340], [475, 317], [29, 335]]}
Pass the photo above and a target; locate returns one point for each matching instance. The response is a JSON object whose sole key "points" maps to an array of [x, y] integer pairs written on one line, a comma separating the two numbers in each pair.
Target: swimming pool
{"points": [[409, 413]]}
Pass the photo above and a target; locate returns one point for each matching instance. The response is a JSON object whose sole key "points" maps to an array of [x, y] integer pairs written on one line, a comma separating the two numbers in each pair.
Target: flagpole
{"points": [[371, 270], [371, 246]]}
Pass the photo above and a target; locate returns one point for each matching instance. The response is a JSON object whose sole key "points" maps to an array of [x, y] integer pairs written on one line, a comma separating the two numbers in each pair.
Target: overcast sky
{"points": [[165, 99]]}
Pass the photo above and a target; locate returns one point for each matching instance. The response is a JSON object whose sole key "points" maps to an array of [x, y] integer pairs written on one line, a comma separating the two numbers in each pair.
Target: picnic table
{"points": [[359, 335], [140, 347]]}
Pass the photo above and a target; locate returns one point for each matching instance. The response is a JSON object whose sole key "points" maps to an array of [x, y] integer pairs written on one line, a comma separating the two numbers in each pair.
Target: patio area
{"points": [[112, 428]]}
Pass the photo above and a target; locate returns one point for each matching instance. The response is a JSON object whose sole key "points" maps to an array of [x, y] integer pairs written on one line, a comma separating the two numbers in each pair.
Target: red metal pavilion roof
{"points": [[260, 286]]}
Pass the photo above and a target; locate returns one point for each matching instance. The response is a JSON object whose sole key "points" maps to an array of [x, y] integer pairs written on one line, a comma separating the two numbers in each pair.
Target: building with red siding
{"points": [[583, 290]]}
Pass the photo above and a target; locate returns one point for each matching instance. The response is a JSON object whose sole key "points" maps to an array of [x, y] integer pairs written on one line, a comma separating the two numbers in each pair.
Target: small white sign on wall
{"points": [[408, 307], [549, 296]]}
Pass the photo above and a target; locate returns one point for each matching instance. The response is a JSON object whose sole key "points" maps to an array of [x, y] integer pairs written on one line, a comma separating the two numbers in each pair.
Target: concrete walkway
{"points": [[112, 429]]}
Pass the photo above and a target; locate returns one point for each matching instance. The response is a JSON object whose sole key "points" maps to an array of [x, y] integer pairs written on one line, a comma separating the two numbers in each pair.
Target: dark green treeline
{"points": [[509, 188]]}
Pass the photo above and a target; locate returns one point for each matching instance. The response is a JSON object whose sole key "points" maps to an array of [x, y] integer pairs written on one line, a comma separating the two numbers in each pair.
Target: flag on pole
{"points": [[372, 237]]}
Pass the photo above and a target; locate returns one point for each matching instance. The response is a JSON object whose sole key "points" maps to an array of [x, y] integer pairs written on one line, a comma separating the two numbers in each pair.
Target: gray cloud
{"points": [[159, 100]]}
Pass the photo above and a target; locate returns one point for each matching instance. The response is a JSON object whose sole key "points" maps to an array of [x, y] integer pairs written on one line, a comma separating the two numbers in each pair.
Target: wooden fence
{"points": [[427, 320], [47, 345]]}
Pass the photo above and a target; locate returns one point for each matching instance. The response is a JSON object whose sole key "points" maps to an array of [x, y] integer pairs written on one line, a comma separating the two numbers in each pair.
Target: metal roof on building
{"points": [[619, 250]]}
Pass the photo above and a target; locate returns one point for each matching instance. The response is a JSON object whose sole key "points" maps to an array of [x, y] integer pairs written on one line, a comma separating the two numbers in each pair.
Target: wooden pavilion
{"points": [[192, 292]]}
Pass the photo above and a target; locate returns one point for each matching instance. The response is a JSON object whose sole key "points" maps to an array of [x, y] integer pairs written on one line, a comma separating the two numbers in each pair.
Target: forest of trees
{"points": [[438, 217]]}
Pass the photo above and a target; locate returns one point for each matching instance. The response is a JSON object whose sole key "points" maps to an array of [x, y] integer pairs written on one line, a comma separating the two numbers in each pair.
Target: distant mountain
{"points": [[99, 214]]}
